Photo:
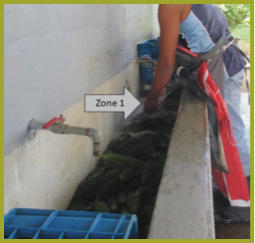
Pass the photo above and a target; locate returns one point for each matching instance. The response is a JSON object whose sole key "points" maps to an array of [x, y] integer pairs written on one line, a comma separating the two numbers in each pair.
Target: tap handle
{"points": [[53, 121]]}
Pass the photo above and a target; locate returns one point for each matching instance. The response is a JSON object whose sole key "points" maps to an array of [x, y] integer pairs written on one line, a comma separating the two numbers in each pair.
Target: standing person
{"points": [[201, 26]]}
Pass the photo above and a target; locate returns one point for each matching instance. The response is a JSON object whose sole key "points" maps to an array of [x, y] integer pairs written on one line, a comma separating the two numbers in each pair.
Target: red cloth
{"points": [[233, 184]]}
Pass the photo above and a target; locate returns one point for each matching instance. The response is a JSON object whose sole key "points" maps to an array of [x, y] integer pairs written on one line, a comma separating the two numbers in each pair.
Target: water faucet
{"points": [[58, 126]]}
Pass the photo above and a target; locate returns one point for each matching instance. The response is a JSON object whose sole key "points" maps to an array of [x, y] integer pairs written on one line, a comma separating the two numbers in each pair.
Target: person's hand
{"points": [[150, 105]]}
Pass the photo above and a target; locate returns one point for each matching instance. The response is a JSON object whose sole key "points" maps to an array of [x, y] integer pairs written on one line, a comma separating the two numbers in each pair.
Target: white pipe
{"points": [[96, 138], [61, 128]]}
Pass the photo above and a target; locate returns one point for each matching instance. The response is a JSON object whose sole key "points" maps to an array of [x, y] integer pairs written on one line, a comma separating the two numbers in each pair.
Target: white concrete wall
{"points": [[44, 172], [54, 54]]}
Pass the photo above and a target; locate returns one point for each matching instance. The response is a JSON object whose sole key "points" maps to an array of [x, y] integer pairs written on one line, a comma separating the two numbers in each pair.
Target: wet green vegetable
{"points": [[149, 170], [108, 190], [133, 203], [101, 207], [127, 174], [113, 204]]}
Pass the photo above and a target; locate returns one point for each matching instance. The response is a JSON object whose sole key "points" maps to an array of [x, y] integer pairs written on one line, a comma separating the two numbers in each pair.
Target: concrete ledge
{"points": [[184, 207]]}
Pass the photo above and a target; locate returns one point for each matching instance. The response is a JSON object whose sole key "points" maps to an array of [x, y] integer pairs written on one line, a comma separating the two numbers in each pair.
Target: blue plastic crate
{"points": [[148, 49], [56, 224]]}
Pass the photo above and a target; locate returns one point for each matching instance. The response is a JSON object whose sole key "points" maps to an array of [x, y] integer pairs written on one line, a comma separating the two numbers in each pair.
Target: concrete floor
{"points": [[233, 231]]}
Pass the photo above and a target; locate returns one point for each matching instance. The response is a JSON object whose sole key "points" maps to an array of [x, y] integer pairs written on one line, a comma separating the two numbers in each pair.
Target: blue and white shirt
{"points": [[204, 26]]}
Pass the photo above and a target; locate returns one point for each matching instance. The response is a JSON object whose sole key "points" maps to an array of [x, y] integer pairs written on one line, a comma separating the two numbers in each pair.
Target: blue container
{"points": [[51, 224], [148, 49]]}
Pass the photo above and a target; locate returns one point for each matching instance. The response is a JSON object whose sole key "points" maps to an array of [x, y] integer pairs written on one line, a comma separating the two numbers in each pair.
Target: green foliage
{"points": [[242, 31], [236, 13], [238, 17]]}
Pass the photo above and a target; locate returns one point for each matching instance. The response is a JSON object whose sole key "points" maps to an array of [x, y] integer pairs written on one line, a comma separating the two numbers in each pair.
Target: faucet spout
{"points": [[96, 138]]}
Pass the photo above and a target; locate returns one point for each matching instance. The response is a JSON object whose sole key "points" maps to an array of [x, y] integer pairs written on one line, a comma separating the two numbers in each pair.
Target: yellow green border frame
{"points": [[252, 121], [251, 98]]}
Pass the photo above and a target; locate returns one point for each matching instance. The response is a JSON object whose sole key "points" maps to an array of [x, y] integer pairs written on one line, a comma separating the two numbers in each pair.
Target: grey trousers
{"points": [[230, 88]]}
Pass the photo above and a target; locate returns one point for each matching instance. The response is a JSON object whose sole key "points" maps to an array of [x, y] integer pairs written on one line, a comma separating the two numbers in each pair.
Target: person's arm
{"points": [[169, 20]]}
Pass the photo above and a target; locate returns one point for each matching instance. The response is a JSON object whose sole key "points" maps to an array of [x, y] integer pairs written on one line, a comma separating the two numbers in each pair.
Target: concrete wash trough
{"points": [[184, 206]]}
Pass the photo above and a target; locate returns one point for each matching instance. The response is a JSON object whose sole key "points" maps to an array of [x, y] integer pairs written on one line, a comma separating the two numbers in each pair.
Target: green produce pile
{"points": [[126, 178]]}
